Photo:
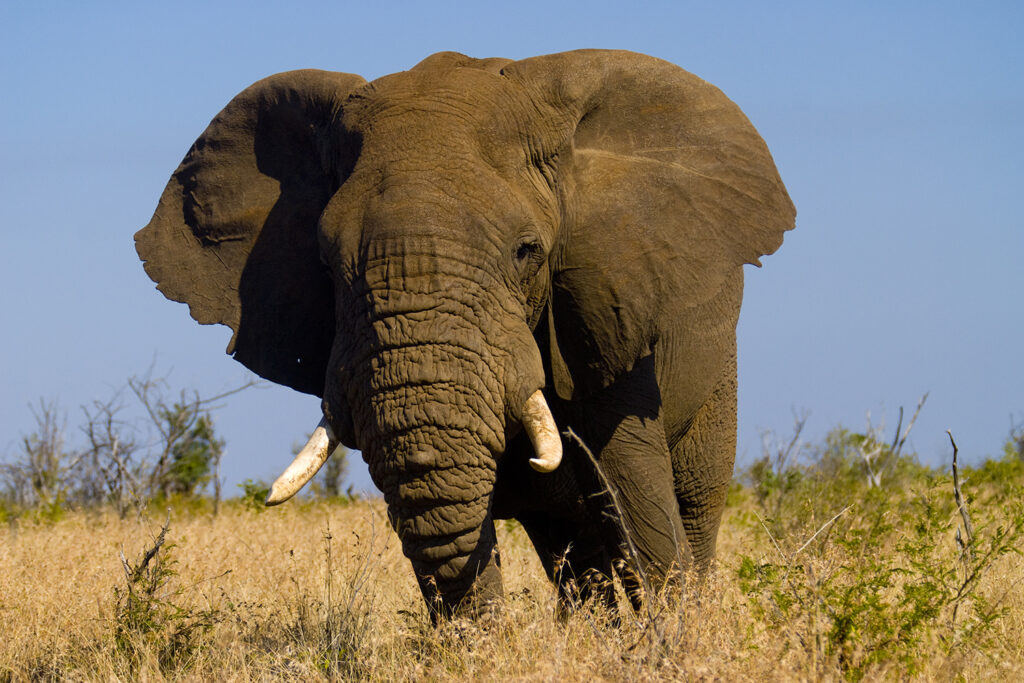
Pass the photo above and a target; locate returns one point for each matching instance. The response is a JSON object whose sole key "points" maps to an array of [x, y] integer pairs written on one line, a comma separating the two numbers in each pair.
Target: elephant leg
{"points": [[574, 559], [703, 466], [622, 426]]}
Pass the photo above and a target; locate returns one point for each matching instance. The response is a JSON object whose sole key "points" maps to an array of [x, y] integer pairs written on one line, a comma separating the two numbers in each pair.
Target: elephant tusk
{"points": [[307, 463], [540, 425]]}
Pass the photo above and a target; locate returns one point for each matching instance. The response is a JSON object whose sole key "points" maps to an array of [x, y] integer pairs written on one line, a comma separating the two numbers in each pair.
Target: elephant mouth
{"points": [[538, 423]]}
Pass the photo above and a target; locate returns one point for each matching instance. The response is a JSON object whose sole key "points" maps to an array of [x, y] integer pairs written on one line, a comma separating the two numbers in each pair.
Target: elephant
{"points": [[470, 258]]}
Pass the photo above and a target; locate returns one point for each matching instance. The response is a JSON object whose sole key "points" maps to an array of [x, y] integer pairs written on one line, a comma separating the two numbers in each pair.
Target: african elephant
{"points": [[463, 259]]}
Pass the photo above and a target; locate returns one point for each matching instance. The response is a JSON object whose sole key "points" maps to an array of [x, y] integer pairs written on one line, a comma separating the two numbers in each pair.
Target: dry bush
{"points": [[321, 591]]}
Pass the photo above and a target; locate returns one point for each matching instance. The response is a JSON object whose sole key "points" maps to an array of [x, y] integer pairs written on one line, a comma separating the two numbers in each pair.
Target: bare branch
{"points": [[203, 403], [775, 543], [879, 461], [899, 424], [898, 445], [155, 548], [799, 422], [965, 546], [823, 527]]}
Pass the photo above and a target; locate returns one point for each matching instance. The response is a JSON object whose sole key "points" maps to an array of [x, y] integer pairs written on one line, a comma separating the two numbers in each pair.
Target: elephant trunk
{"points": [[447, 531], [431, 404], [432, 429], [439, 364]]}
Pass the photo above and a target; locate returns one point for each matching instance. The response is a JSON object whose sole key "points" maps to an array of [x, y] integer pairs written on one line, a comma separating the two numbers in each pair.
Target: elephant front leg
{"points": [[634, 505], [703, 463]]}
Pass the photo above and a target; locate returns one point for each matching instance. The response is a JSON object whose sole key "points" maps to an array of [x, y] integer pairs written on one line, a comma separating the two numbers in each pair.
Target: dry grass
{"points": [[322, 591]]}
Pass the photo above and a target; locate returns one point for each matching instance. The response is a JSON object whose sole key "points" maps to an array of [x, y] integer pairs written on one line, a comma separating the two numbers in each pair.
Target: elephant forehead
{"points": [[468, 92], [421, 202], [447, 110], [453, 201]]}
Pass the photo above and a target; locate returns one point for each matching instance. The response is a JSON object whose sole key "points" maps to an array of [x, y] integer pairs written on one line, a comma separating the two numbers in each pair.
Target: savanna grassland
{"points": [[821, 575]]}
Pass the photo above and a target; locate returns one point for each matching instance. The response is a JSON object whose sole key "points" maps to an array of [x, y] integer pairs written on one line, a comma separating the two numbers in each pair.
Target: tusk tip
{"points": [[275, 497], [545, 466], [306, 464]]}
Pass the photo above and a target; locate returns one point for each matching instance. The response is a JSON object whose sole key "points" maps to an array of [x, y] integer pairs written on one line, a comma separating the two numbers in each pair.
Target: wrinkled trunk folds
{"points": [[429, 399], [440, 361], [433, 426]]}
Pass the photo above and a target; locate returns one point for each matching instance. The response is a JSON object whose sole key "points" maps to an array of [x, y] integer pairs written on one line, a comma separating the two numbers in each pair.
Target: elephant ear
{"points": [[235, 233], [667, 189]]}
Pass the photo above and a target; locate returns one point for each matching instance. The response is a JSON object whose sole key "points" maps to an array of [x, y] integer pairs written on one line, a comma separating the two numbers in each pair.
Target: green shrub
{"points": [[254, 495], [148, 621], [1002, 479], [193, 449], [872, 564]]}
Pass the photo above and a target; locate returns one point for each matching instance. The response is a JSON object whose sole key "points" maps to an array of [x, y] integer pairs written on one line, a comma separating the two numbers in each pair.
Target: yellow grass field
{"points": [[321, 591]]}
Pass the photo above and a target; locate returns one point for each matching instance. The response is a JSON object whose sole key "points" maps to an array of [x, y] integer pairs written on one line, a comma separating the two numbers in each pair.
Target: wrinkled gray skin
{"points": [[427, 250]]}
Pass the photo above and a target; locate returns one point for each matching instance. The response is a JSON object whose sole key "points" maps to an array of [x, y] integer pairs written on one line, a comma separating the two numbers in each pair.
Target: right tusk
{"points": [[306, 464], [540, 425]]}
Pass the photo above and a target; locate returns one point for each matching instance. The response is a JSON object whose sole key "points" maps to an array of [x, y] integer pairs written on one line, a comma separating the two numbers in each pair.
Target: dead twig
{"points": [[898, 441], [966, 546], [879, 460], [133, 574], [822, 528]]}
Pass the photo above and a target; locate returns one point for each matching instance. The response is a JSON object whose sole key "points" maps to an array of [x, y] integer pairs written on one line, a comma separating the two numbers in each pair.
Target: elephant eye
{"points": [[526, 249], [528, 256]]}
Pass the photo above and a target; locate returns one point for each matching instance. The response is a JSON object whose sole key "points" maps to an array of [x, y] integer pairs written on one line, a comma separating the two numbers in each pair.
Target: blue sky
{"points": [[897, 128]]}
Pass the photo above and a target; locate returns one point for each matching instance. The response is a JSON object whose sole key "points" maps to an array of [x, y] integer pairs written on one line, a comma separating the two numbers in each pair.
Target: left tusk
{"points": [[540, 425], [306, 464]]}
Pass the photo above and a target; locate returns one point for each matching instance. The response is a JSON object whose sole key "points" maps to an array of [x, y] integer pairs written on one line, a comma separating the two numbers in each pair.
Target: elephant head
{"points": [[431, 251]]}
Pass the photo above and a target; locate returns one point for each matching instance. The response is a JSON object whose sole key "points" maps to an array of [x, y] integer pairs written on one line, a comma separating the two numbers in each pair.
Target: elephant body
{"points": [[444, 252]]}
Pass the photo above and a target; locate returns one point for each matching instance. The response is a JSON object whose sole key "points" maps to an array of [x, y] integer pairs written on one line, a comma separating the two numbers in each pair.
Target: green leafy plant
{"points": [[893, 575], [192, 455], [147, 618], [254, 493]]}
